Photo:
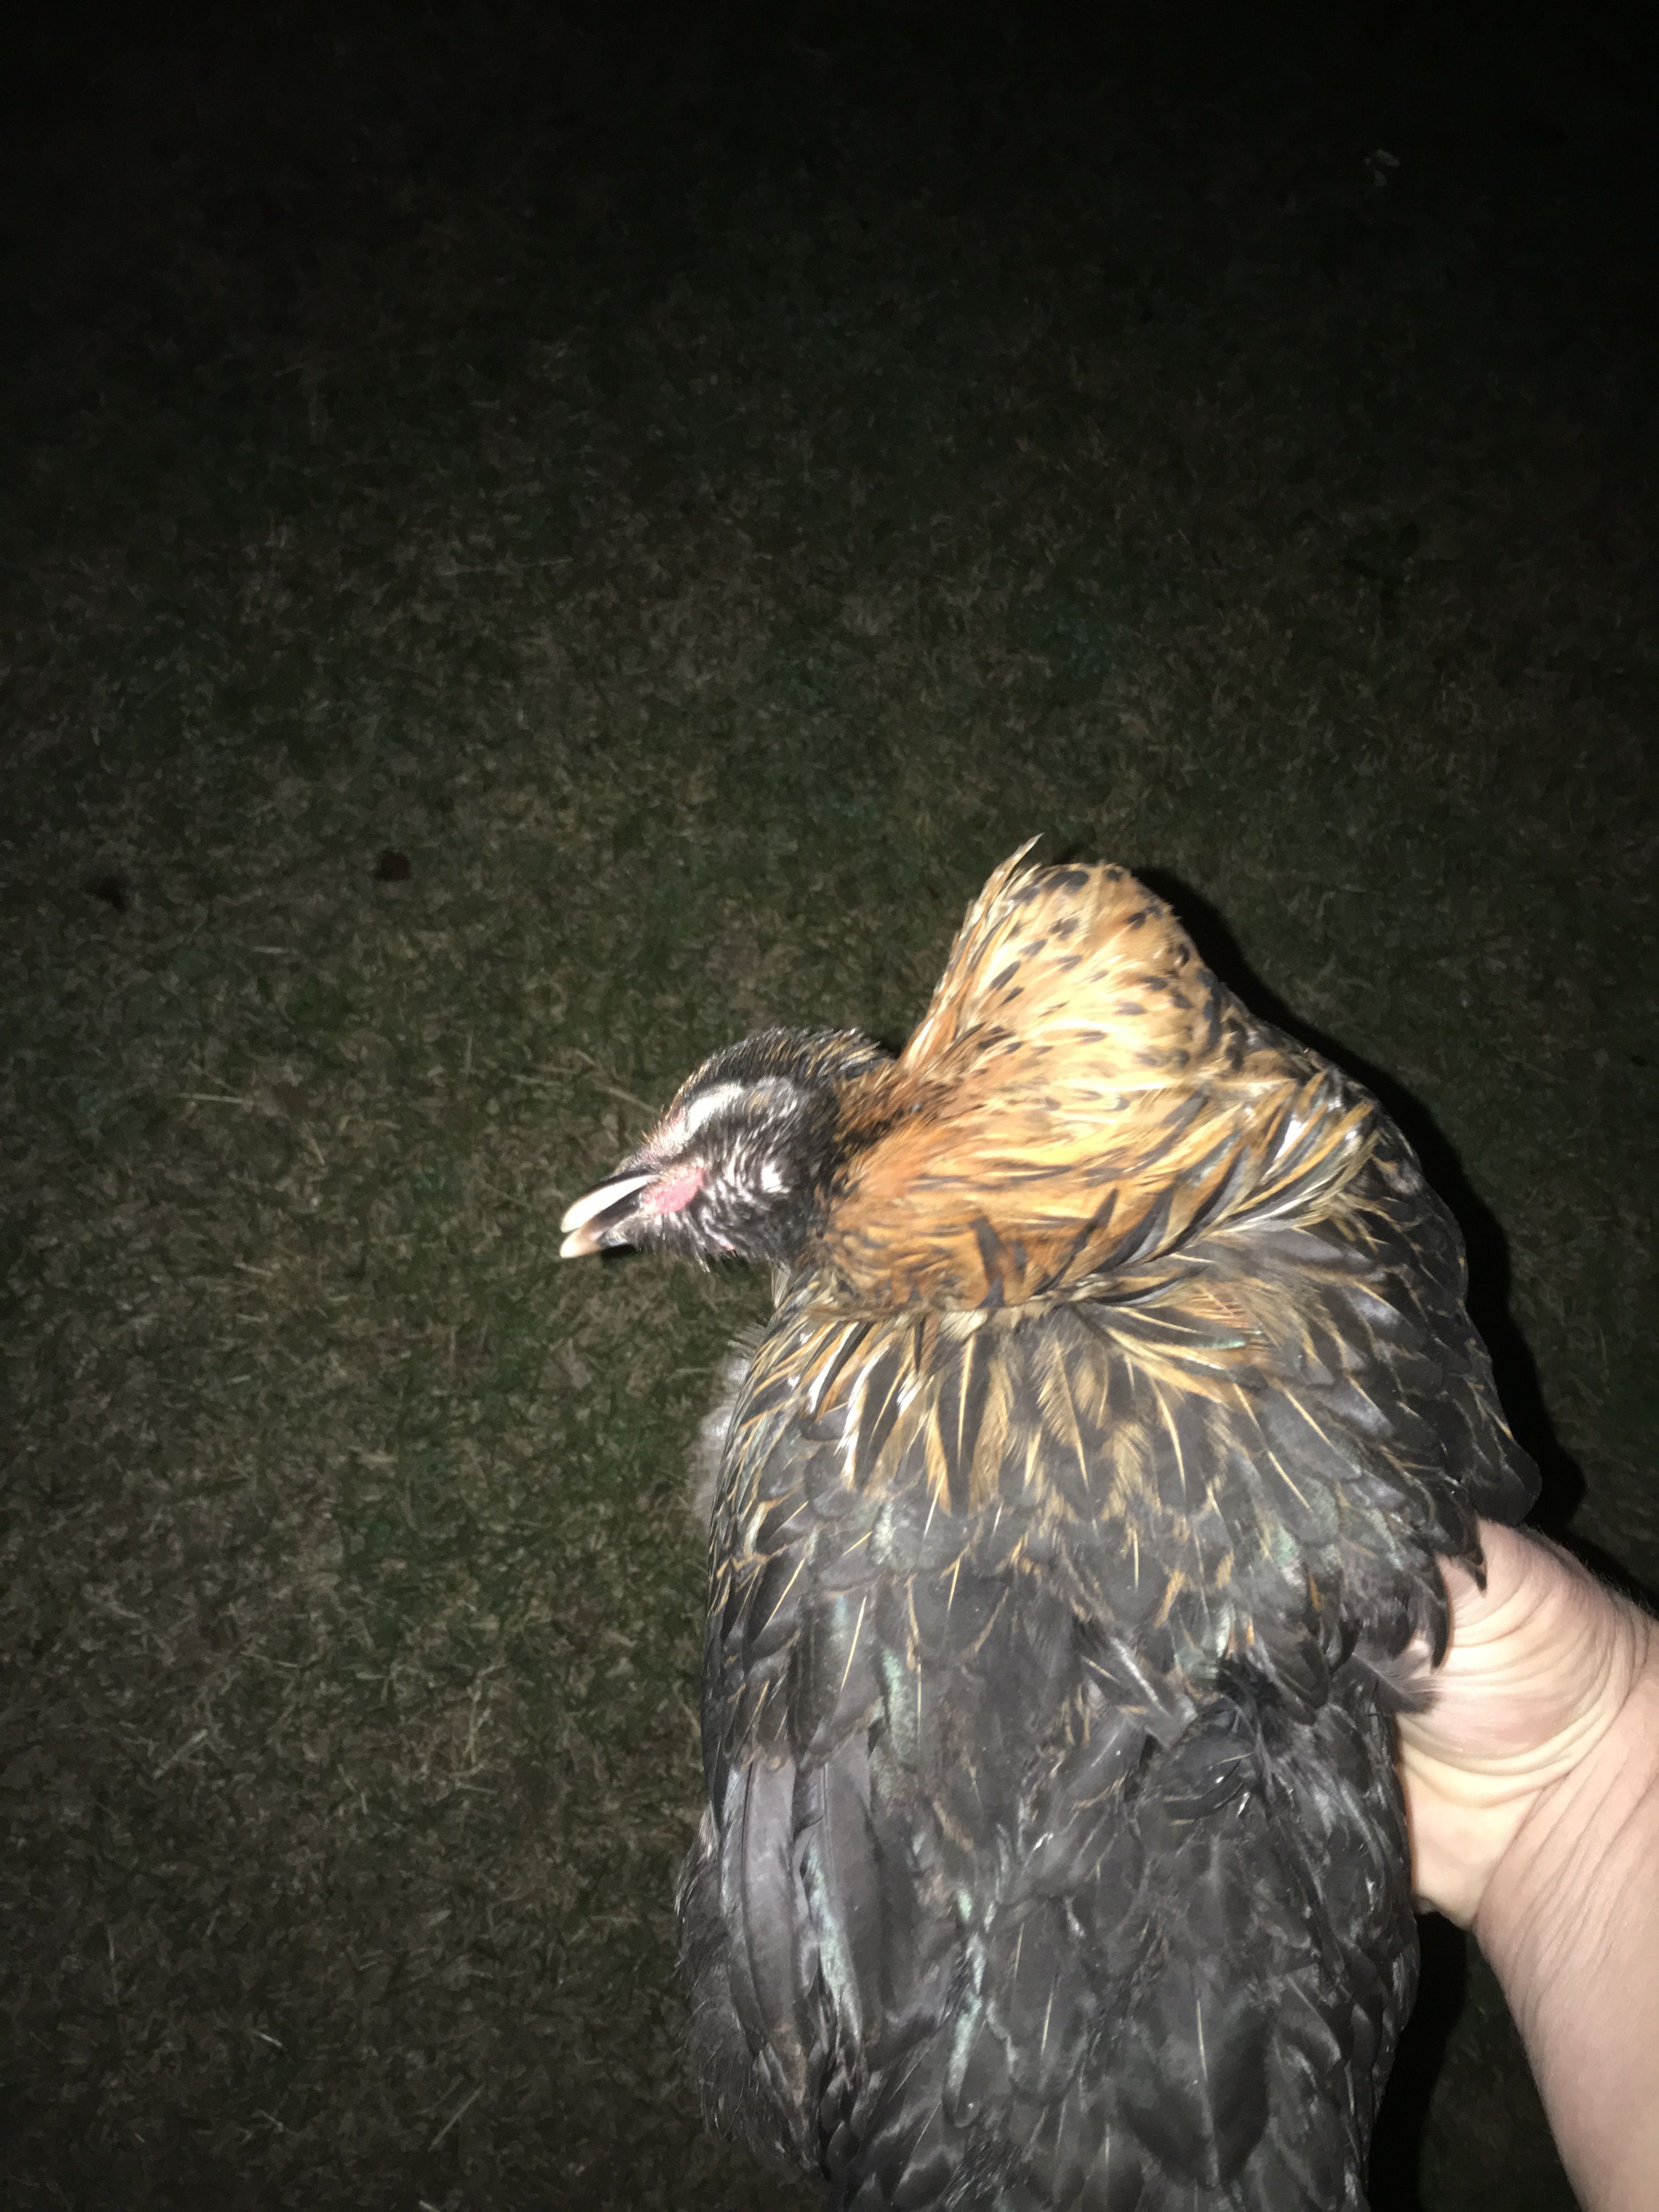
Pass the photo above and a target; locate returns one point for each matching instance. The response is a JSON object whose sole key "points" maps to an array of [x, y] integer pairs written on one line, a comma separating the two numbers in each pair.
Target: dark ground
{"points": [[533, 543]]}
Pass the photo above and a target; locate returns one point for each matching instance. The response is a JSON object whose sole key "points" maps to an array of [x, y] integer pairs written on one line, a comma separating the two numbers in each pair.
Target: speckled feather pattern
{"points": [[1073, 1516]]}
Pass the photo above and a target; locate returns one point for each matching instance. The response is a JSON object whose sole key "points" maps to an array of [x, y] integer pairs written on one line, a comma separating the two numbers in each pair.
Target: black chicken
{"points": [[1076, 1510]]}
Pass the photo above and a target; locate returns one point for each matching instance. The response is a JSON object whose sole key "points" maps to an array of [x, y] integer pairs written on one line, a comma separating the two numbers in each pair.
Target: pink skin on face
{"points": [[674, 1193]]}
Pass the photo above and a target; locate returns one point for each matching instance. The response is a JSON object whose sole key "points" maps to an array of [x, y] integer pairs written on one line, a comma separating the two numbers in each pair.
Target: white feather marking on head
{"points": [[705, 1107]]}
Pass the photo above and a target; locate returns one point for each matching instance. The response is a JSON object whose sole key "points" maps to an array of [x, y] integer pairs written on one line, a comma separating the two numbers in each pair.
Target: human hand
{"points": [[1532, 1794], [1541, 1667]]}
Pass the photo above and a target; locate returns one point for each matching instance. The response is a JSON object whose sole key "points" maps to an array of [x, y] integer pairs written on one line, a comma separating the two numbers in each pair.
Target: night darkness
{"points": [[536, 540]]}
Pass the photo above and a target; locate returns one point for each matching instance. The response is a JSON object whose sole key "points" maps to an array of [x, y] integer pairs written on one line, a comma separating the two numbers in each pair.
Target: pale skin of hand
{"points": [[1532, 1793]]}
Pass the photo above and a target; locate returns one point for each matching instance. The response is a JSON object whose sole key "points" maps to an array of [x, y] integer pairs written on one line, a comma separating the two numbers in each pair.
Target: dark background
{"points": [[535, 540]]}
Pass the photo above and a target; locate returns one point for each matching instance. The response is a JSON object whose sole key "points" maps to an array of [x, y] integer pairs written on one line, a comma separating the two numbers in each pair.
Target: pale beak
{"points": [[585, 1222]]}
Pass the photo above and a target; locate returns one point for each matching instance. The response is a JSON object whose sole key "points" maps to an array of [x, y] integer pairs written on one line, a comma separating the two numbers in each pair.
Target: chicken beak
{"points": [[589, 1226]]}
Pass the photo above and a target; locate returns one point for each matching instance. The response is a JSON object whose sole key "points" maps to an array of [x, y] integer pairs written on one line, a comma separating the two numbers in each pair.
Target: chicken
{"points": [[1077, 1530]]}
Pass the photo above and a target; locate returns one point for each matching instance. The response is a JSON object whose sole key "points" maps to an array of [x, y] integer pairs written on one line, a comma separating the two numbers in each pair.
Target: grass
{"points": [[701, 492]]}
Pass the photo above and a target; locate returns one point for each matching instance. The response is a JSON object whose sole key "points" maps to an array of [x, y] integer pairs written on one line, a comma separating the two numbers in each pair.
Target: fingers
{"points": [[1540, 1664]]}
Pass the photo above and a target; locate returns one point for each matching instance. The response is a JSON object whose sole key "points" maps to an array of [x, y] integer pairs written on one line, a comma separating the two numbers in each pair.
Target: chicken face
{"points": [[740, 1165]]}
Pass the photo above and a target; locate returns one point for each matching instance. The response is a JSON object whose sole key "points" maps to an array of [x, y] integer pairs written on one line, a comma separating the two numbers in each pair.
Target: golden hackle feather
{"points": [[1081, 1093]]}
